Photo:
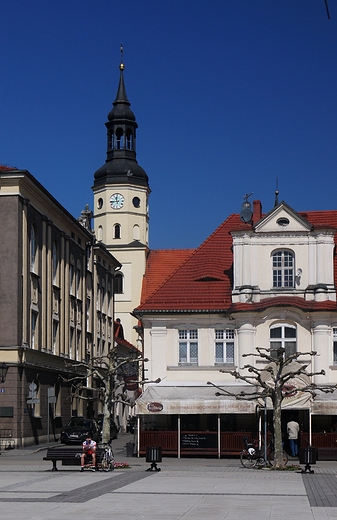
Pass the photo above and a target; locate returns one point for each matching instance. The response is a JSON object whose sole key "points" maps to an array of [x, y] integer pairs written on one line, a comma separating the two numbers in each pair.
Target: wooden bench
{"points": [[69, 455]]}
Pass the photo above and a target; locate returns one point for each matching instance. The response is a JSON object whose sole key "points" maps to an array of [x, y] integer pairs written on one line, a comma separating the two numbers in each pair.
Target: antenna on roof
{"points": [[246, 210], [276, 193], [327, 9], [121, 66]]}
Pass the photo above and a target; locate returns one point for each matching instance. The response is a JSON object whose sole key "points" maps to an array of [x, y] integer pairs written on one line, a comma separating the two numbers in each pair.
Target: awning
{"points": [[189, 399]]}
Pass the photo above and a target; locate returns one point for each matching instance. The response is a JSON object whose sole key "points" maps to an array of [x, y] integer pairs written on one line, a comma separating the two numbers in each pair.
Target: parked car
{"points": [[77, 430], [114, 429]]}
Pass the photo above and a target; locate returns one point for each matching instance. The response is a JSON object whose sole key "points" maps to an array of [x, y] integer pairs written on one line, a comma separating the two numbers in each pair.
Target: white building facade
{"points": [[268, 282]]}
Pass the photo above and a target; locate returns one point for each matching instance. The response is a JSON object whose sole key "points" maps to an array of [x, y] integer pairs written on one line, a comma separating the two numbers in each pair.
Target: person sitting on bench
{"points": [[89, 448]]}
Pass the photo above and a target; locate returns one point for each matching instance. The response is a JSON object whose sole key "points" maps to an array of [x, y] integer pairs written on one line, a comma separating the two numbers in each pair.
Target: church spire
{"points": [[121, 165]]}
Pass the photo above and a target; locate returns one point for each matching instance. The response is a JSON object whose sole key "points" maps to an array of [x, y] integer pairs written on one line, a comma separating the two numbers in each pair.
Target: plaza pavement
{"points": [[184, 489]]}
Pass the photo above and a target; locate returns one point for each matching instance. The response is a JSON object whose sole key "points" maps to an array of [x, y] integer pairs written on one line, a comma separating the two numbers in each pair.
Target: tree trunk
{"points": [[277, 402]]}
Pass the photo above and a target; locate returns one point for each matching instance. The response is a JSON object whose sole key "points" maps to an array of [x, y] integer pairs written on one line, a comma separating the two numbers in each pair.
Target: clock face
{"points": [[116, 201]]}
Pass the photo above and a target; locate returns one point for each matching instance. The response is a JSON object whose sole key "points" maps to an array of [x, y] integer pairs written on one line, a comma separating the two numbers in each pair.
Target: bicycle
{"points": [[251, 456], [107, 459]]}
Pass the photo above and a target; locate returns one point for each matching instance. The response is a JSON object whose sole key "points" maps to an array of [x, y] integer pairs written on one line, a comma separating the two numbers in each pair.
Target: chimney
{"points": [[257, 211]]}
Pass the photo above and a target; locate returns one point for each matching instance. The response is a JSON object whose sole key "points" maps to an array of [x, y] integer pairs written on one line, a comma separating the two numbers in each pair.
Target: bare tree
{"points": [[282, 377], [112, 370]]}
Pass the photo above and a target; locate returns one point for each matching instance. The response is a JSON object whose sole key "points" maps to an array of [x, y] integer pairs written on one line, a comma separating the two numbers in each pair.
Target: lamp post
{"points": [[3, 372]]}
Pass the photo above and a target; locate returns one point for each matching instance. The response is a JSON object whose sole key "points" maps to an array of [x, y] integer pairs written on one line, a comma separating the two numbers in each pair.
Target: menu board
{"points": [[199, 440]]}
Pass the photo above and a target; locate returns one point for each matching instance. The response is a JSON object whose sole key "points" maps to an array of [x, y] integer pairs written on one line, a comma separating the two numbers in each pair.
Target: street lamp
{"points": [[3, 372]]}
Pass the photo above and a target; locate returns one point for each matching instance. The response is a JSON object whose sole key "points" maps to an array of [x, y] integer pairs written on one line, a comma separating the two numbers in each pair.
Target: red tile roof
{"points": [[160, 264], [7, 168], [203, 281]]}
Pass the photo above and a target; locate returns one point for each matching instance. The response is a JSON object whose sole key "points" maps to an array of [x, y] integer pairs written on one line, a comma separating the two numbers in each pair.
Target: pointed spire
{"points": [[121, 165], [121, 105]]}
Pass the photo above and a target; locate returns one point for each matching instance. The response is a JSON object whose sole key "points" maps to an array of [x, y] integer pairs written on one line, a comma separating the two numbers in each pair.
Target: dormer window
{"points": [[283, 269], [282, 221]]}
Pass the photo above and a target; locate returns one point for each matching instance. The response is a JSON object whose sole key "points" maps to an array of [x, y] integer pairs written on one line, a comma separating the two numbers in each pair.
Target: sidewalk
{"points": [[186, 489]]}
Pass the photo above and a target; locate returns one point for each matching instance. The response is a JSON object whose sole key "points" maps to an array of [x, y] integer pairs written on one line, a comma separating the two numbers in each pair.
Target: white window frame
{"points": [[334, 346], [283, 269], [224, 346], [284, 341], [188, 347]]}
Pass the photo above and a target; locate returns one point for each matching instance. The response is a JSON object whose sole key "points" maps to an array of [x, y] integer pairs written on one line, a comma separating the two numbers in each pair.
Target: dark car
{"points": [[114, 430], [131, 424], [77, 430]]}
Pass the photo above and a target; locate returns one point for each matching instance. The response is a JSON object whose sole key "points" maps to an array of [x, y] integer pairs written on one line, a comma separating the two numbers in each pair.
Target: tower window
{"points": [[129, 143], [117, 231], [136, 202], [119, 139], [118, 283], [136, 232]]}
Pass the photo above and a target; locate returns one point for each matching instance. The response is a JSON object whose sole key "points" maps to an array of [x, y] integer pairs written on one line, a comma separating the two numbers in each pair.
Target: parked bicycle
{"points": [[251, 456], [107, 462]]}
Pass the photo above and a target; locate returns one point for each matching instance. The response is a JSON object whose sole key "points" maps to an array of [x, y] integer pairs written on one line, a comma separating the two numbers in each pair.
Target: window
{"points": [[32, 249], [33, 337], [71, 342], [136, 232], [55, 263], [55, 336], [71, 279], [118, 283], [188, 347], [117, 231], [100, 233], [283, 336], [224, 346], [78, 345], [78, 282], [334, 339], [283, 269]]}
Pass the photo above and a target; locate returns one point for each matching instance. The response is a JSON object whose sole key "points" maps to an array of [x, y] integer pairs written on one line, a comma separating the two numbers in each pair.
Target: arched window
{"points": [[32, 248], [136, 232], [129, 139], [100, 233], [283, 269], [118, 283], [283, 336], [117, 231], [119, 139]]}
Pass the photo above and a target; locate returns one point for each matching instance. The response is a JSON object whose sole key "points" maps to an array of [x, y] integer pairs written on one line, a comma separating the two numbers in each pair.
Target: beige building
{"points": [[56, 310]]}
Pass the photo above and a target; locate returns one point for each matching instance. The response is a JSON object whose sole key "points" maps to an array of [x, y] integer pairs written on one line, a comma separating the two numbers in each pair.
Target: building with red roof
{"points": [[264, 280]]}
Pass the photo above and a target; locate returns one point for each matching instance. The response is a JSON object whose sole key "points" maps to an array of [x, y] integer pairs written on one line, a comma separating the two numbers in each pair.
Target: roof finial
{"points": [[276, 193], [122, 66]]}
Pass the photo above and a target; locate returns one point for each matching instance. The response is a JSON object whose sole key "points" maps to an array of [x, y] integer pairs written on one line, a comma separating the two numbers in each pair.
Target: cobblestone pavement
{"points": [[184, 489]]}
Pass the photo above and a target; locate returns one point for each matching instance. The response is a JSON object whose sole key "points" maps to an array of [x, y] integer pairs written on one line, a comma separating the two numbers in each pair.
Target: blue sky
{"points": [[229, 96]]}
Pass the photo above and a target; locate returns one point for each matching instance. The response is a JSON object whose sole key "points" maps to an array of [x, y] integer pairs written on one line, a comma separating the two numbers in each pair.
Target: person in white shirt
{"points": [[89, 448], [292, 429]]}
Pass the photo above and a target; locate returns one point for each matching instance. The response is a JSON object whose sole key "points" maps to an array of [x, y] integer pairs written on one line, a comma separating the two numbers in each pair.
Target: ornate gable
{"points": [[284, 254]]}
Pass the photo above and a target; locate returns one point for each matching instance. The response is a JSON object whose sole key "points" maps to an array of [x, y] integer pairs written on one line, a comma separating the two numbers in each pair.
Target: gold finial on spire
{"points": [[122, 66]]}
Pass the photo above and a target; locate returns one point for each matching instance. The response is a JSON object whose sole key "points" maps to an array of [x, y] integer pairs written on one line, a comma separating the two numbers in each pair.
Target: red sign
{"points": [[154, 407]]}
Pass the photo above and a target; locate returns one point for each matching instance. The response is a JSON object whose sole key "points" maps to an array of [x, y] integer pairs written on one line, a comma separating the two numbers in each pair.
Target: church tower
{"points": [[121, 190]]}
